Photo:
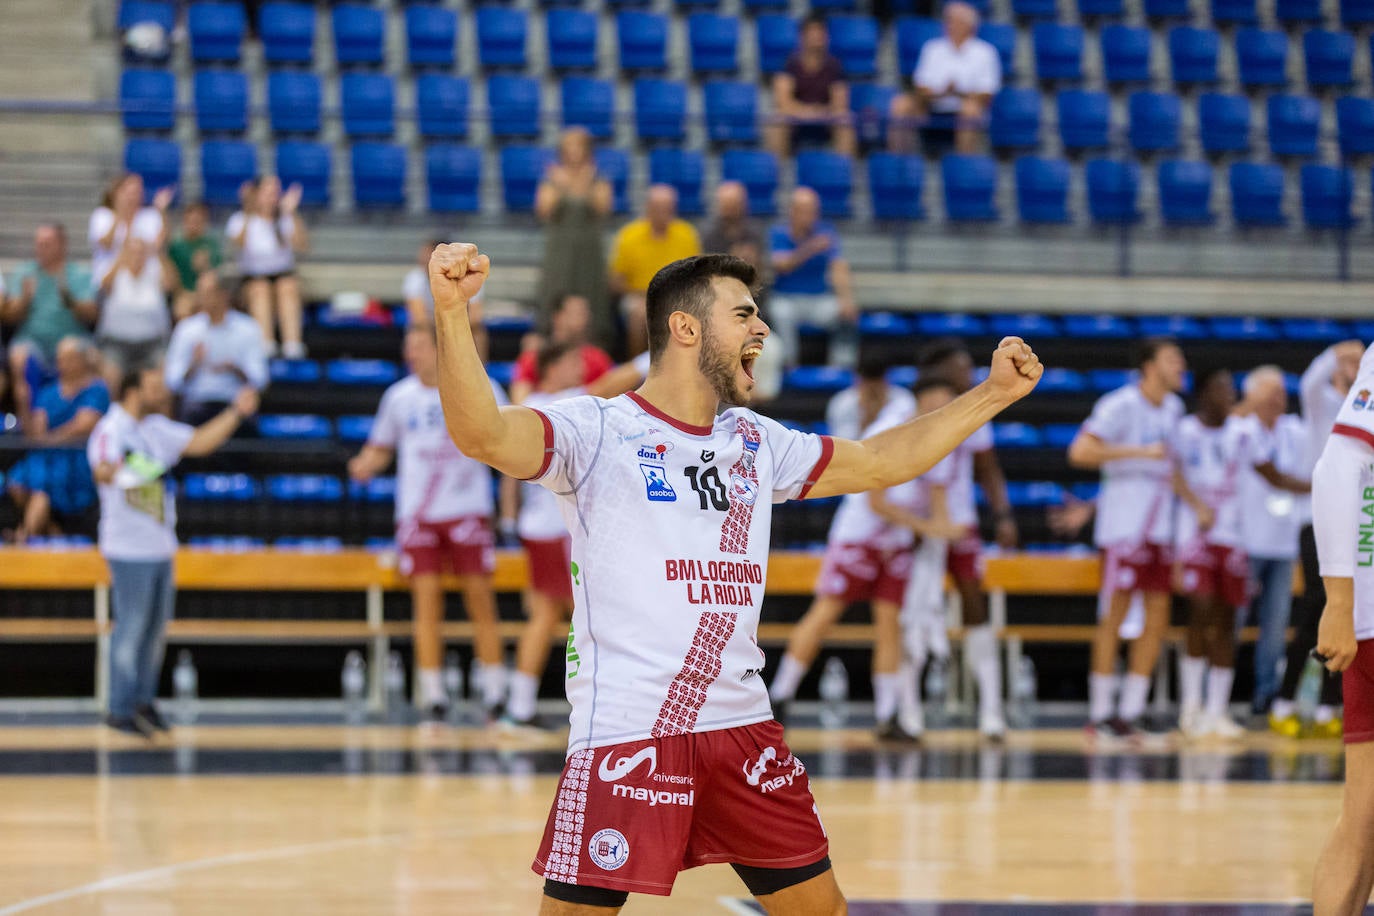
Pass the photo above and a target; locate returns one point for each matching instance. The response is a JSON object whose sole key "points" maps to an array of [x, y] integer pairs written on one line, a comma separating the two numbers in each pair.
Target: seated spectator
{"points": [[193, 252], [854, 409], [733, 232], [52, 484], [268, 233], [134, 317], [572, 202], [811, 96], [569, 324], [122, 215], [641, 248], [419, 301], [956, 77], [213, 354], [50, 298]]}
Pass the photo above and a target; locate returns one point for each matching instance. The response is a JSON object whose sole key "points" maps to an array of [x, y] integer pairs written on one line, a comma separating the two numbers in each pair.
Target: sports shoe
{"points": [[1289, 726], [892, 732], [1192, 722], [152, 717], [992, 726], [1223, 726], [1331, 728], [130, 726], [1111, 730], [435, 713]]}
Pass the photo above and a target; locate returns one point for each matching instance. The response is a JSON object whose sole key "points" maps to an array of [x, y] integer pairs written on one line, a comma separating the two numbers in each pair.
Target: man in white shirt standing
{"points": [[956, 77], [849, 412], [213, 353], [130, 451]]}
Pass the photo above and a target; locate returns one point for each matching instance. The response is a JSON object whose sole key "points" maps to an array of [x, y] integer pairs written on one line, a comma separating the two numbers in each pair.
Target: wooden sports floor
{"points": [[291, 820]]}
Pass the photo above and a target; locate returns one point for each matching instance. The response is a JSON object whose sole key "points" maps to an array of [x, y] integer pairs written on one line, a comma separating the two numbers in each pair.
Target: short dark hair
{"points": [[685, 286], [1150, 347], [551, 353], [196, 205], [813, 20], [873, 365], [131, 380], [931, 383], [1202, 379], [939, 350]]}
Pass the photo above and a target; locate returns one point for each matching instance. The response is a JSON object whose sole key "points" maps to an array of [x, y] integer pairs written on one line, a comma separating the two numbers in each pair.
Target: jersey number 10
{"points": [[709, 489]]}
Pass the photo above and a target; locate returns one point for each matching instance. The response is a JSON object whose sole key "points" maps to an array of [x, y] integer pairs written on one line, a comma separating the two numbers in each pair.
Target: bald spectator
{"points": [[640, 249], [956, 77], [810, 277], [214, 354], [811, 96], [733, 232]]}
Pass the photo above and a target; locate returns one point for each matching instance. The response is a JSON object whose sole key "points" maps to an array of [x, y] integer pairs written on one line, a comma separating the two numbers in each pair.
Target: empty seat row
{"points": [[1228, 12]]}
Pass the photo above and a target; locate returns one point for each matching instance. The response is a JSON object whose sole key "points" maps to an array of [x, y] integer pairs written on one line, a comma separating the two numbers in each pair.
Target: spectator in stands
{"points": [[573, 201], [193, 252], [419, 301], [641, 248], [268, 233], [811, 96], [733, 232], [130, 453], [213, 354], [121, 216], [569, 323], [854, 409], [134, 318], [52, 485], [52, 299], [956, 77]]}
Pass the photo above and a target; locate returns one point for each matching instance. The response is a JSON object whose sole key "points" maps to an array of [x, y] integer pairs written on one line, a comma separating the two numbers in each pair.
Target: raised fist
{"points": [[1015, 369], [456, 274]]}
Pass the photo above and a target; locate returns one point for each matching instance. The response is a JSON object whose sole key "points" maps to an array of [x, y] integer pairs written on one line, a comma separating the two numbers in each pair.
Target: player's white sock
{"points": [[491, 680], [1135, 690], [524, 694], [981, 645], [1101, 696], [432, 691], [787, 680], [885, 689], [1219, 690], [909, 711], [1281, 708], [1323, 714], [1191, 672]]}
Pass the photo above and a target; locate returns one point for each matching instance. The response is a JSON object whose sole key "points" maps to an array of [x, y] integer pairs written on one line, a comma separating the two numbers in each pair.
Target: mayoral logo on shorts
{"points": [[608, 849], [656, 485]]}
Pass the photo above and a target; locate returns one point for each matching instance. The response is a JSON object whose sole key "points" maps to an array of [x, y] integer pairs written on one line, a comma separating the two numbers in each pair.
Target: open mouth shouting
{"points": [[747, 358]]}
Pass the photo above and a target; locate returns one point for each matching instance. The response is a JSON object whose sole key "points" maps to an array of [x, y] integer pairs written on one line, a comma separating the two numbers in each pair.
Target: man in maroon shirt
{"points": [[569, 322], [811, 97]]}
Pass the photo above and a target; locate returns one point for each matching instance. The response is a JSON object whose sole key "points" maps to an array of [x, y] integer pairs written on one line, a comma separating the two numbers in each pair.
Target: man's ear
{"points": [[684, 328]]}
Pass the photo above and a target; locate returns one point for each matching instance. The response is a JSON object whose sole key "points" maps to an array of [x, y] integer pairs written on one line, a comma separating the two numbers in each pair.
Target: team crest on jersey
{"points": [[1362, 399], [654, 452], [609, 849], [656, 485]]}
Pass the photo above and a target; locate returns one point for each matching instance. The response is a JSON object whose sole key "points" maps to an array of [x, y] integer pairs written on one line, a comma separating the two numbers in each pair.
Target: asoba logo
{"points": [[614, 772]]}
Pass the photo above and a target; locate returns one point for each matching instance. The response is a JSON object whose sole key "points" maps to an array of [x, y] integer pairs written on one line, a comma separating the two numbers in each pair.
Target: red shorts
{"points": [[964, 557], [631, 816], [1357, 684], [549, 565], [857, 572], [1211, 570], [466, 542], [1137, 568]]}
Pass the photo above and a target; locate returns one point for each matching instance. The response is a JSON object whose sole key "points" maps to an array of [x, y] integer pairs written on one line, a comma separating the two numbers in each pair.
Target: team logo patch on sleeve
{"points": [[1361, 399], [656, 485], [609, 849]]}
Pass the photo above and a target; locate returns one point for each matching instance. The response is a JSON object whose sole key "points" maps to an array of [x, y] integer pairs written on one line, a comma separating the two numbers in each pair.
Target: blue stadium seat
{"points": [[353, 430], [513, 103], [310, 544], [950, 324], [1357, 12], [293, 102], [1293, 125], [1185, 193], [838, 6], [441, 105], [1262, 57], [1355, 123], [288, 32], [157, 161], [970, 188], [831, 176], [1101, 381], [1112, 188], [589, 103], [303, 488], [755, 6], [731, 113], [376, 490], [1035, 9], [902, 376], [1167, 9], [1016, 435], [1233, 328], [1235, 12], [1062, 381], [643, 39], [684, 170], [777, 39], [454, 176], [758, 172], [501, 373], [308, 165], [224, 166], [226, 488], [1298, 10], [148, 99], [912, 34], [216, 31], [895, 186], [571, 39], [614, 165], [870, 103], [1257, 194], [134, 12], [379, 175], [660, 109], [1002, 36], [1328, 57], [431, 35], [1316, 330], [884, 324], [369, 104], [1084, 119], [1101, 9], [294, 371], [1223, 122], [713, 41], [1029, 325], [294, 426], [1058, 51], [522, 167], [233, 544], [221, 101], [1326, 192], [1193, 54], [1126, 54], [361, 372], [1154, 121], [359, 33], [1098, 327], [1014, 119], [501, 36], [854, 40], [821, 379], [1058, 435], [1042, 190], [1181, 327]]}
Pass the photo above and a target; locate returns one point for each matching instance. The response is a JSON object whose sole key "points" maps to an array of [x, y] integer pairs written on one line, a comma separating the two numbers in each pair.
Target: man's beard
{"points": [[720, 369]]}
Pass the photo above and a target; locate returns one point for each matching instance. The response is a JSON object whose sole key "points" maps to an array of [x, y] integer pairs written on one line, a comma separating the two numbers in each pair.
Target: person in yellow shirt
{"points": [[640, 249]]}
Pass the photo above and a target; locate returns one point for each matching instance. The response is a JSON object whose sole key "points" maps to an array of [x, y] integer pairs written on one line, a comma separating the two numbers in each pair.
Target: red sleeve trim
{"points": [[548, 446], [1353, 432], [827, 452]]}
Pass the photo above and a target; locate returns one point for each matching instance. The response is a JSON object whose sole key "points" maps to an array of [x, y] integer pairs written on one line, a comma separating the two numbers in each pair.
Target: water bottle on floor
{"points": [[453, 682], [185, 689], [353, 682], [395, 684], [834, 691]]}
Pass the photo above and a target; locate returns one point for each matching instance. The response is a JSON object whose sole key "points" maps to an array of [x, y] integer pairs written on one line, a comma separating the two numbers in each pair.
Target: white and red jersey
{"points": [[541, 518], [963, 506], [434, 481], [1135, 504], [670, 539], [1212, 459], [1271, 517]]}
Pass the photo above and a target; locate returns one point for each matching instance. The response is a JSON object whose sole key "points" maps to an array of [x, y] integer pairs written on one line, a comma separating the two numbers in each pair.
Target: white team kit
{"points": [[1212, 460], [1134, 505]]}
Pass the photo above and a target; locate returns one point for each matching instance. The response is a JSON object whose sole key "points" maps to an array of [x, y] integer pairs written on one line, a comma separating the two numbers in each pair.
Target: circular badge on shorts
{"points": [[609, 849]]}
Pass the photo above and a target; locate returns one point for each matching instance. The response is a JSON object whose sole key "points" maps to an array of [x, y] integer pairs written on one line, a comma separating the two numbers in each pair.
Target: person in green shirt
{"points": [[193, 252]]}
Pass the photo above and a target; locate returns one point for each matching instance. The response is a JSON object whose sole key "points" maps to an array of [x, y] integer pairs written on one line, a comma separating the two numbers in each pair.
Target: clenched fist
{"points": [[1015, 369], [456, 274]]}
